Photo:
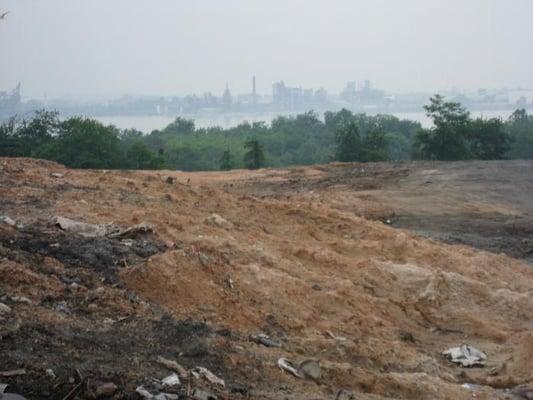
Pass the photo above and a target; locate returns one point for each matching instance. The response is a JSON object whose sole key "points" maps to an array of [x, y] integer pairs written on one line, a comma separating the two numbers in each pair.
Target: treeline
{"points": [[300, 140]]}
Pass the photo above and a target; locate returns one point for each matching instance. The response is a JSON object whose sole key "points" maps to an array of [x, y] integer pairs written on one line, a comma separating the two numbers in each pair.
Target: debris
{"points": [[466, 356], [50, 373], [264, 340], [307, 369], [334, 337], [198, 372], [524, 392], [204, 259], [145, 394], [171, 380], [21, 299], [106, 390], [6, 220], [217, 220], [14, 372], [4, 309], [57, 175], [201, 394], [316, 287], [173, 366], [100, 230], [471, 386], [166, 396]]}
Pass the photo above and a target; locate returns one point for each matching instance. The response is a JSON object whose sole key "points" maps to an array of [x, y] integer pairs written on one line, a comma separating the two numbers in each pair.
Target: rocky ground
{"points": [[371, 270]]}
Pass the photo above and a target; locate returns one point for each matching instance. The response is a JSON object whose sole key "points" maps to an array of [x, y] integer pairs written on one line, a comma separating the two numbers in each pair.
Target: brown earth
{"points": [[300, 254]]}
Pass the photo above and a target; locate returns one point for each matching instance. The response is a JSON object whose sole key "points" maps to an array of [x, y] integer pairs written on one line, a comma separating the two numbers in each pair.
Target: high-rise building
{"points": [[254, 92]]}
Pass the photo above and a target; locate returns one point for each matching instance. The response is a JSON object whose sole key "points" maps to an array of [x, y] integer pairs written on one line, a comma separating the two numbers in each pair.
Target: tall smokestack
{"points": [[254, 92]]}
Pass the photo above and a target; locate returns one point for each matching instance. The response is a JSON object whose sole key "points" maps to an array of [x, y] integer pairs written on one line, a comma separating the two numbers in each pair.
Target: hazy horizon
{"points": [[63, 48]]}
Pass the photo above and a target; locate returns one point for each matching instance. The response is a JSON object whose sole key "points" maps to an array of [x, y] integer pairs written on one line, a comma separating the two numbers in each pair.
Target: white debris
{"points": [[4, 309], [466, 356], [198, 372], [217, 220], [171, 380], [100, 230], [145, 394], [307, 369], [6, 220]]}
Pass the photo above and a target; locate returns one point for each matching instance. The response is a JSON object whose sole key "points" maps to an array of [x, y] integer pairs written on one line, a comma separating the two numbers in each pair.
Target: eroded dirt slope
{"points": [[300, 255]]}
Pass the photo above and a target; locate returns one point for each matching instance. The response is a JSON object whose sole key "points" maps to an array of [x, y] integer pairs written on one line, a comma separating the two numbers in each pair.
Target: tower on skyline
{"points": [[254, 92]]}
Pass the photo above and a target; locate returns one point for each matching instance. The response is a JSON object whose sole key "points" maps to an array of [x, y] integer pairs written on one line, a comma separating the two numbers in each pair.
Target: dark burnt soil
{"points": [[103, 254], [514, 238], [80, 322]]}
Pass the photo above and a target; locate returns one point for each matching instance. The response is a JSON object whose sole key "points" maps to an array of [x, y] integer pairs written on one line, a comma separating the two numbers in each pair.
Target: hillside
{"points": [[372, 269]]}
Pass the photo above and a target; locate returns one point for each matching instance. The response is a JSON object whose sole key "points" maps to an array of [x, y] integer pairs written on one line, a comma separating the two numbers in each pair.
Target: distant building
{"points": [[227, 99], [363, 94], [10, 102]]}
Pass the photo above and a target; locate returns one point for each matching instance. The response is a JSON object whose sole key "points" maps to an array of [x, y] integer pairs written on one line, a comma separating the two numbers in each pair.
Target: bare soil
{"points": [[372, 269]]}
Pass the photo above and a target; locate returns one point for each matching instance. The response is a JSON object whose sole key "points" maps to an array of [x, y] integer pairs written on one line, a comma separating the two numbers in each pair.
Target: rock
{"points": [[50, 373], [523, 392], [106, 390], [169, 180], [4, 309], [217, 220], [57, 175], [316, 287], [307, 369]]}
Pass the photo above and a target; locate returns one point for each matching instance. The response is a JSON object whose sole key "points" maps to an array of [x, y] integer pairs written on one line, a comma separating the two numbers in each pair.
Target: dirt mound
{"points": [[375, 305]]}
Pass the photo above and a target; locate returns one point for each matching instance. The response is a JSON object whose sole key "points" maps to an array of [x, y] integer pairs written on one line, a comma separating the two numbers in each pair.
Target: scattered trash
{"points": [[173, 366], [21, 299], [171, 380], [14, 372], [145, 394], [217, 220], [4, 309], [307, 369], [523, 392], [106, 390], [201, 394], [334, 337], [198, 372], [264, 340], [388, 222], [50, 373], [8, 221], [471, 386], [99, 230], [57, 175], [466, 356]]}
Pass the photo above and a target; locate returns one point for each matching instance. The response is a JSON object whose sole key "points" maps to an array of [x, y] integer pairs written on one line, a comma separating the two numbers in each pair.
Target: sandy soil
{"points": [[303, 255]]}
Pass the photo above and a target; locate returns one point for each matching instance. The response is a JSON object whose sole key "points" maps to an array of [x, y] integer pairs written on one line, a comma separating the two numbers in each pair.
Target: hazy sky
{"points": [[113, 47]]}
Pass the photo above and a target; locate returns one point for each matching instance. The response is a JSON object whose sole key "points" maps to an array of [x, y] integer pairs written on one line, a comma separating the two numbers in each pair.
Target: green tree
{"points": [[85, 143], [254, 158], [348, 143], [374, 146], [139, 156], [488, 139], [520, 128], [448, 138], [226, 161]]}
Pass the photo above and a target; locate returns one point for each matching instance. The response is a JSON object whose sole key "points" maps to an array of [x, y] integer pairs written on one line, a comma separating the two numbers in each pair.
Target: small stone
{"points": [[92, 307], [50, 373], [217, 220], [317, 287], [106, 390], [6, 220], [57, 175], [201, 394], [4, 309]]}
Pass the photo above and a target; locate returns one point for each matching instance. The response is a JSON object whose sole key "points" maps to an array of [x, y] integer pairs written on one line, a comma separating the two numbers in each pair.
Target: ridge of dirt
{"points": [[301, 255]]}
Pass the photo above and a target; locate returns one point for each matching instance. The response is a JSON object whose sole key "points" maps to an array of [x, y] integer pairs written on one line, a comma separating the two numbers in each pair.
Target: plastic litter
{"points": [[307, 369], [265, 340], [8, 221], [198, 372], [100, 230], [171, 380], [466, 356]]}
